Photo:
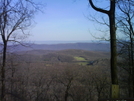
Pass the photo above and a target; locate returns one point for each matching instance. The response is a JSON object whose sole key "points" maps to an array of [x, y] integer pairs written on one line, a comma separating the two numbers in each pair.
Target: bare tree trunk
{"points": [[3, 71], [126, 22], [114, 77], [132, 58], [15, 15]]}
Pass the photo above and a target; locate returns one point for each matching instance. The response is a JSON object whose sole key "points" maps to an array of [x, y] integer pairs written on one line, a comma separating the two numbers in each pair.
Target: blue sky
{"points": [[63, 20]]}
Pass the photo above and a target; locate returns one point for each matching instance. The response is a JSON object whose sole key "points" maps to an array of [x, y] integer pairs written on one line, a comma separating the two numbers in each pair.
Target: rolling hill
{"points": [[63, 56], [80, 46]]}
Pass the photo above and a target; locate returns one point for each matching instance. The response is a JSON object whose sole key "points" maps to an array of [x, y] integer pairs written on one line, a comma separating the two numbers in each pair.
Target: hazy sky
{"points": [[63, 20]]}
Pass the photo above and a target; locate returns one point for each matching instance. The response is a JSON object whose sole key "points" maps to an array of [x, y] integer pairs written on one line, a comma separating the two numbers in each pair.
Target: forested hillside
{"points": [[42, 75]]}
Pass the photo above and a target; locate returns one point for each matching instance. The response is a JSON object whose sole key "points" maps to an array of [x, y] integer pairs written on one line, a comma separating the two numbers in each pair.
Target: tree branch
{"points": [[98, 9]]}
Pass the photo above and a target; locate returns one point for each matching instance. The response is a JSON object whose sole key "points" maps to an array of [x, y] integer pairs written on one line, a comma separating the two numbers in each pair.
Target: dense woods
{"points": [[69, 78], [65, 75]]}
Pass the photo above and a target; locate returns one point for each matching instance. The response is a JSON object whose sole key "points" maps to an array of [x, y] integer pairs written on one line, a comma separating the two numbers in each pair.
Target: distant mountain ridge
{"points": [[82, 46]]}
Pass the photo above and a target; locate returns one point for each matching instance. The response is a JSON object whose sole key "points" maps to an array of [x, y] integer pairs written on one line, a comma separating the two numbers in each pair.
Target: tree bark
{"points": [[3, 71], [113, 43], [113, 62]]}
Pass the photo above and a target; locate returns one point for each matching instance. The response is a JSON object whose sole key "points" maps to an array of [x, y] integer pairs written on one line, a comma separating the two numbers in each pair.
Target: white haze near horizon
{"points": [[66, 42]]}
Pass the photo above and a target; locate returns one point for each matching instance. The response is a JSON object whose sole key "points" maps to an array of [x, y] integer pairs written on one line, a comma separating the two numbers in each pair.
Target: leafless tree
{"points": [[125, 25], [15, 18], [111, 15]]}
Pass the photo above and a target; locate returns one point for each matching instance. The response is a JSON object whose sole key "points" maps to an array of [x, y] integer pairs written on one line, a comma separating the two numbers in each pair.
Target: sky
{"points": [[63, 20]]}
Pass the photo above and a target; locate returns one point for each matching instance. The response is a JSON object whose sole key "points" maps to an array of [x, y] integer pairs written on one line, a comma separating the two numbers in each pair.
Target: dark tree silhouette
{"points": [[125, 25], [111, 15], [15, 17]]}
